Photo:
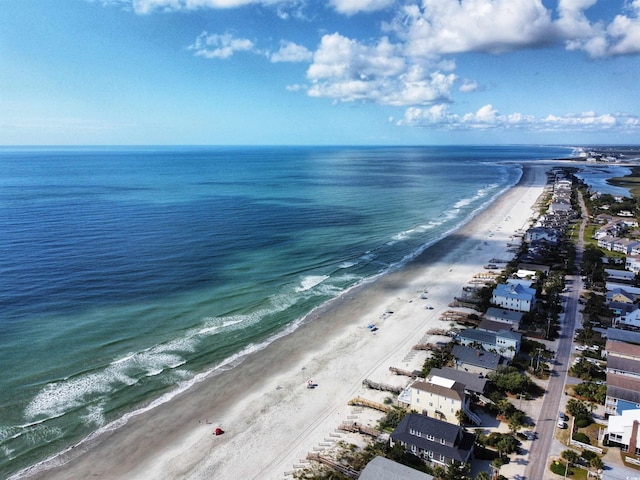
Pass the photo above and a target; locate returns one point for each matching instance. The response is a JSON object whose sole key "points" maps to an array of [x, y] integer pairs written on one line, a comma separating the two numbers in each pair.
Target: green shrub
{"points": [[588, 455], [559, 468], [581, 437], [582, 422]]}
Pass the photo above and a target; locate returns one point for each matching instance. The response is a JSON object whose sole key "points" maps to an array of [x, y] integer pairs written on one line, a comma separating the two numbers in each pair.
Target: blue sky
{"points": [[363, 72]]}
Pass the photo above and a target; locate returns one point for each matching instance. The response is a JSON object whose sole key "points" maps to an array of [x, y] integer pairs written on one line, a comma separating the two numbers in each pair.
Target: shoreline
{"points": [[263, 404]]}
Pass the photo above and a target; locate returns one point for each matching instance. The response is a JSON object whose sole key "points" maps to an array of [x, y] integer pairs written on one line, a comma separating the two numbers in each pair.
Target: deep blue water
{"points": [[125, 272]]}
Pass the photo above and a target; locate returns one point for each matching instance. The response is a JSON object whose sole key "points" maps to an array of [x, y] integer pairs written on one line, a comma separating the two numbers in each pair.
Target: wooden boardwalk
{"points": [[356, 427], [338, 467], [363, 402], [381, 386]]}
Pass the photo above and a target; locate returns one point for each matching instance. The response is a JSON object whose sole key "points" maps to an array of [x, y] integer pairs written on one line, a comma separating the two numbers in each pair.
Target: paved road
{"points": [[544, 446]]}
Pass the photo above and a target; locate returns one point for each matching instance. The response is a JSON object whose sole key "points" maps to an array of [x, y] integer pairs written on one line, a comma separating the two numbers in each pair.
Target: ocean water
{"points": [[126, 274]]}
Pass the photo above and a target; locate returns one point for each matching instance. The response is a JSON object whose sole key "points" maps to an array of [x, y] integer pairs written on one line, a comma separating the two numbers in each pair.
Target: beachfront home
{"points": [[474, 383], [535, 267], [622, 431], [551, 235], [504, 342], [513, 297], [381, 468], [491, 326], [509, 318], [434, 440], [476, 360], [439, 398]]}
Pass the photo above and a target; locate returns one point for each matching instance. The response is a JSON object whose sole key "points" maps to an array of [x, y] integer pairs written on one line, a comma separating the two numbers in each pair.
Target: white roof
{"points": [[443, 382], [617, 423]]}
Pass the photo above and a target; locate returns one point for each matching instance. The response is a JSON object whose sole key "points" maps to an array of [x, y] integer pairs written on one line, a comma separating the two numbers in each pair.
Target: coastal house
{"points": [[550, 235], [622, 431], [623, 358], [560, 207], [434, 440], [620, 295], [513, 297], [615, 244], [606, 242], [534, 266], [476, 360], [504, 342], [623, 376], [621, 310], [474, 383], [620, 276], [623, 393], [628, 317], [509, 318], [630, 289], [381, 468], [618, 335], [632, 263], [491, 326], [439, 398]]}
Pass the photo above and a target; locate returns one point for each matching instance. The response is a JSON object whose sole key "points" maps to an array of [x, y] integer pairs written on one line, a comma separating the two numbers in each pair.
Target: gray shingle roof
{"points": [[623, 335], [381, 468], [501, 313], [477, 357], [456, 391], [462, 441], [471, 381], [623, 387], [623, 364]]}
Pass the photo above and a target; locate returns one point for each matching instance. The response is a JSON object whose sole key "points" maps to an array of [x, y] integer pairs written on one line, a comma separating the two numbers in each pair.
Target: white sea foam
{"points": [[311, 281], [58, 398], [347, 264], [94, 415]]}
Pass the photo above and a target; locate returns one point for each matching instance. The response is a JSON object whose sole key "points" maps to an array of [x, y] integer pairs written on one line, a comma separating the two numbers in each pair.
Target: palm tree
{"points": [[596, 463]]}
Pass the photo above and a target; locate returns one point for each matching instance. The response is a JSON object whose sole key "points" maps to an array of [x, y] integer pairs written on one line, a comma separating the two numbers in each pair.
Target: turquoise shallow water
{"points": [[126, 272]]}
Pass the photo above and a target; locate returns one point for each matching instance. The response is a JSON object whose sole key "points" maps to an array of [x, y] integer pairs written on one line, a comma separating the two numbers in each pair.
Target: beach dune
{"points": [[270, 419]]}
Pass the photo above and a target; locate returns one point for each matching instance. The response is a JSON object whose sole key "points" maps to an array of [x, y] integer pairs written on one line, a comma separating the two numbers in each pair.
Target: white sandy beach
{"points": [[271, 420]]}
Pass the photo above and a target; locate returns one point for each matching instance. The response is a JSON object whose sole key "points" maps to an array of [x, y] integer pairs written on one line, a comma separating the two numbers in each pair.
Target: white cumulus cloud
{"points": [[486, 117], [220, 45], [438, 27], [346, 70], [468, 86], [291, 52]]}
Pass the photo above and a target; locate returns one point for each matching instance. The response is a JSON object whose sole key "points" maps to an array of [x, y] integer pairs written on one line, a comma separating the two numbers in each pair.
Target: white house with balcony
{"points": [[512, 296]]}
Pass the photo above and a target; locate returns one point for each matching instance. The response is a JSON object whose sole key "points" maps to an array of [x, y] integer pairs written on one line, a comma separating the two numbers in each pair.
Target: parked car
{"points": [[562, 424]]}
